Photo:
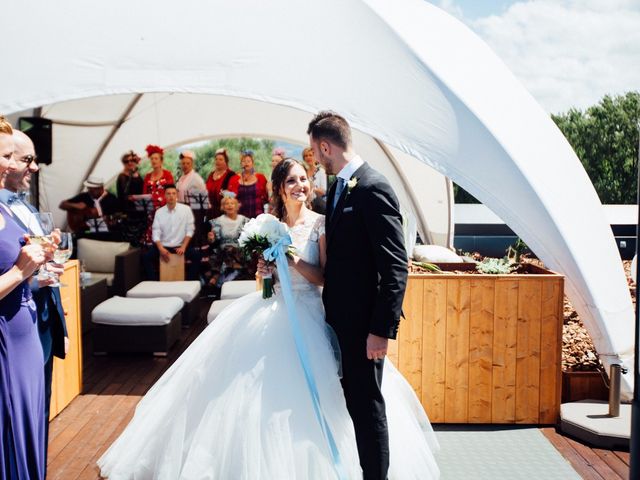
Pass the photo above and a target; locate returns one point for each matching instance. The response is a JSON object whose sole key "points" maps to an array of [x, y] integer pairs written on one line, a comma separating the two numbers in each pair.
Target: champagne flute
{"points": [[41, 226], [62, 254], [65, 249]]}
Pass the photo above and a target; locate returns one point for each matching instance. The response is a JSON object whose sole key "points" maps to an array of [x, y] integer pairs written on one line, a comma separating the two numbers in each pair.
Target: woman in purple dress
{"points": [[21, 358]]}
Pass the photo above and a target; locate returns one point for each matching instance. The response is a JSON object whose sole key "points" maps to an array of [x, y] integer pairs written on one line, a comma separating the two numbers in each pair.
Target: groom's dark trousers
{"points": [[365, 279]]}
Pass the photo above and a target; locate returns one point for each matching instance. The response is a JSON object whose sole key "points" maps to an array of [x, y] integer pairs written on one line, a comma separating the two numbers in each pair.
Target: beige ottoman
{"points": [[136, 324], [188, 291]]}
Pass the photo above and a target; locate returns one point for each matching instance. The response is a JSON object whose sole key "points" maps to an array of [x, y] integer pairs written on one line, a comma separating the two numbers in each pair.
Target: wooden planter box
{"points": [[483, 348], [578, 386]]}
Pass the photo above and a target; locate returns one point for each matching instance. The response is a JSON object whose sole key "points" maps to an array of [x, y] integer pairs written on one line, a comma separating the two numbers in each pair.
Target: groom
{"points": [[365, 279]]}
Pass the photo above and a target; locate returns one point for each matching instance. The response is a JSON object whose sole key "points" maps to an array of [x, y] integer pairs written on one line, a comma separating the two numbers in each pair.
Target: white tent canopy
{"points": [[403, 73], [91, 134]]}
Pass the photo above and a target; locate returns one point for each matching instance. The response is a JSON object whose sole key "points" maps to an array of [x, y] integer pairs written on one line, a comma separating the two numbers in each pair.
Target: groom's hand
{"points": [[376, 347]]}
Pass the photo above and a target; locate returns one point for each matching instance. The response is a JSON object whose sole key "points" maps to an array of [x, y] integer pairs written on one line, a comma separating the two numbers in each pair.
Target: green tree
{"points": [[205, 153], [605, 139]]}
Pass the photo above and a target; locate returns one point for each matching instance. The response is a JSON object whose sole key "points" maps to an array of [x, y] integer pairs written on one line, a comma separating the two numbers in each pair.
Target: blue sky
{"points": [[567, 53], [481, 8]]}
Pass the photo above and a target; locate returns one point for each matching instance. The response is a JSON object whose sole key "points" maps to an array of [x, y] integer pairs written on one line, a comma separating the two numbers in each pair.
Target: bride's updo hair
{"points": [[278, 177]]}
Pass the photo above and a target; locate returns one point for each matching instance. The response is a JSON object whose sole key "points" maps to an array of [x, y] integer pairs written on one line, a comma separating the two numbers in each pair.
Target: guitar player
{"points": [[92, 211]]}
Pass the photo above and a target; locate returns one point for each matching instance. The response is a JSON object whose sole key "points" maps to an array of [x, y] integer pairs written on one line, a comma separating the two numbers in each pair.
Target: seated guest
{"points": [[318, 178], [226, 259], [250, 187], [92, 210], [218, 181], [129, 181], [190, 183], [156, 180], [172, 230]]}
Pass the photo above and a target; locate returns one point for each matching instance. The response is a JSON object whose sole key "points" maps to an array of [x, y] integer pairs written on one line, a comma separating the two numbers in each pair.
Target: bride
{"points": [[236, 406]]}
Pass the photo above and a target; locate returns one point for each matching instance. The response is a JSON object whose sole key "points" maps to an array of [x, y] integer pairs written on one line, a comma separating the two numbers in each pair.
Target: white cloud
{"points": [[568, 53]]}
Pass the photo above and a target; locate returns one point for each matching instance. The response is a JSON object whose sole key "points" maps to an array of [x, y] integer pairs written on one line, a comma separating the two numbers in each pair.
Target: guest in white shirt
{"points": [[172, 230], [190, 183]]}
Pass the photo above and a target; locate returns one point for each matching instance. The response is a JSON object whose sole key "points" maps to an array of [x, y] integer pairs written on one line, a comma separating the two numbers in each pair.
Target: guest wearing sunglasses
{"points": [[250, 187], [129, 181]]}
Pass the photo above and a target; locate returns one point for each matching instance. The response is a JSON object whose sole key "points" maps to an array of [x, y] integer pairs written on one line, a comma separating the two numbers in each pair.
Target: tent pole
{"points": [[107, 141], [422, 225], [634, 450]]}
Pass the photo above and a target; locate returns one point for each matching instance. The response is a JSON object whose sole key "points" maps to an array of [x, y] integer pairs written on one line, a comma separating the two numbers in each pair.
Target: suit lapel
{"points": [[335, 216]]}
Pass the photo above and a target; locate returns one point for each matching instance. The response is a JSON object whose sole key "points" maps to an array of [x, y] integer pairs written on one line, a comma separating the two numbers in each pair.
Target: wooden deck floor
{"points": [[113, 385]]}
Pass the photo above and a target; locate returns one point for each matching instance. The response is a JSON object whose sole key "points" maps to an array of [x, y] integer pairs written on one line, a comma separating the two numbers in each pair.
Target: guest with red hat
{"points": [[155, 180]]}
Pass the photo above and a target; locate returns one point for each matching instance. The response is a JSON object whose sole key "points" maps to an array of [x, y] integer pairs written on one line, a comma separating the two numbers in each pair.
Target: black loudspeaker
{"points": [[39, 130]]}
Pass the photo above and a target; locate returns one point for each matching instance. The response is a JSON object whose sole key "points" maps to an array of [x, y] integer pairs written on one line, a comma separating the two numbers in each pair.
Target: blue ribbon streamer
{"points": [[277, 253]]}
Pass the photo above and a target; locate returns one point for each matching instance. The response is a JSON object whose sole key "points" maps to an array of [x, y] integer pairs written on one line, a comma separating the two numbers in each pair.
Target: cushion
{"points": [[136, 311], [217, 307], [237, 289], [435, 254], [187, 290], [98, 255], [107, 276]]}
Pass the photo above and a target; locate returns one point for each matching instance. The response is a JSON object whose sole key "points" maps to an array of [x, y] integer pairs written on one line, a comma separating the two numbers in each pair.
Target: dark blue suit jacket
{"points": [[51, 323]]}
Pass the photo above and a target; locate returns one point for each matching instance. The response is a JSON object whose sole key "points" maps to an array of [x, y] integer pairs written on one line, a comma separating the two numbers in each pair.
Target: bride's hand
{"points": [[264, 268]]}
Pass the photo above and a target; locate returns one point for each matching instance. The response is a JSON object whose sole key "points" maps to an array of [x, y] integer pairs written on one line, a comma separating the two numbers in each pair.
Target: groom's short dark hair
{"points": [[330, 126]]}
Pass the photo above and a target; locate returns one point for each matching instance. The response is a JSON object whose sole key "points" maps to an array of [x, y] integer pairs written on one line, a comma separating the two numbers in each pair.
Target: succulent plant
{"points": [[494, 266]]}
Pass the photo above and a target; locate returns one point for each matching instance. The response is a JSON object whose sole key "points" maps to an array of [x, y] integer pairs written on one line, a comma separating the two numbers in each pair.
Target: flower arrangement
{"points": [[259, 235]]}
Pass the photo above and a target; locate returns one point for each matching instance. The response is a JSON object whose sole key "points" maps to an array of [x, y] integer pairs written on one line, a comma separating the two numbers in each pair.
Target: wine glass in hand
{"points": [[63, 253], [40, 228]]}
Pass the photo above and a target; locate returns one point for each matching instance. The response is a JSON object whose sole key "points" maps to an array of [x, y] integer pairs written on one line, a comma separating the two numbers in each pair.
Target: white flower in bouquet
{"points": [[258, 235]]}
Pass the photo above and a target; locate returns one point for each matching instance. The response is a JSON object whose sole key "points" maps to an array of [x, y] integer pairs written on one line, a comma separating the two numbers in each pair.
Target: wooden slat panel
{"points": [[481, 349], [504, 351], [551, 351], [457, 348], [434, 331], [411, 342], [67, 373], [528, 351]]}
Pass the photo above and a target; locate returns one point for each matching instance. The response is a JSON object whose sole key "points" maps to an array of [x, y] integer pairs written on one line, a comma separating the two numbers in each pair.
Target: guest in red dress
{"points": [[155, 180], [250, 187], [154, 183], [218, 181]]}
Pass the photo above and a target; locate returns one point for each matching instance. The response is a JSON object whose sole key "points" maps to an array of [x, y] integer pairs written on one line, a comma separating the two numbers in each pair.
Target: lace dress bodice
{"points": [[305, 238]]}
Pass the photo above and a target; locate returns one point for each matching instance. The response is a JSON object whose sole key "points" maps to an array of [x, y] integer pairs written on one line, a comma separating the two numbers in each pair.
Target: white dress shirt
{"points": [[190, 184], [350, 168], [26, 216], [171, 226]]}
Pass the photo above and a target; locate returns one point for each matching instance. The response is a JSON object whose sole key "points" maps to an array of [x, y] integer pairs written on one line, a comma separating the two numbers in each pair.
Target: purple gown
{"points": [[21, 372]]}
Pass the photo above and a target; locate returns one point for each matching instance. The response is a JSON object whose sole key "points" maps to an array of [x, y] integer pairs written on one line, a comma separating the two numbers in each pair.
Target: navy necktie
{"points": [[339, 188]]}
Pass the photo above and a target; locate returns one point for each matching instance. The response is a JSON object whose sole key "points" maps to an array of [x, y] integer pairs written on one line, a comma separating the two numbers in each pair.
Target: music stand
{"points": [[199, 203]]}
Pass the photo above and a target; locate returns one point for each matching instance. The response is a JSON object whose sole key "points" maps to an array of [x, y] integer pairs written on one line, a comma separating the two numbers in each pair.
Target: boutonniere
{"points": [[351, 184]]}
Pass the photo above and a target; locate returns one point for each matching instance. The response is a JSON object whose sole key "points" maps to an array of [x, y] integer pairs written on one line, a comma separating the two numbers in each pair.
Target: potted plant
{"points": [[480, 347]]}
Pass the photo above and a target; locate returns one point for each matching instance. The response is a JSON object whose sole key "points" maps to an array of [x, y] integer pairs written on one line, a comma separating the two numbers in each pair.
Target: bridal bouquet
{"points": [[259, 235]]}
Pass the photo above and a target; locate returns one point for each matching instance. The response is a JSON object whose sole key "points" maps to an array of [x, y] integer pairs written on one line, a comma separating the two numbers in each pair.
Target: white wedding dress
{"points": [[236, 406]]}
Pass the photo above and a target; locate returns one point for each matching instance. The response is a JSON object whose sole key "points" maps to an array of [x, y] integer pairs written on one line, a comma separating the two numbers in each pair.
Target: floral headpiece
{"points": [[279, 151], [151, 149], [227, 194]]}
